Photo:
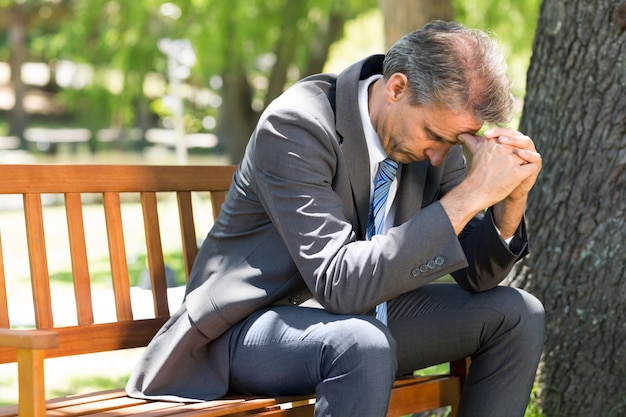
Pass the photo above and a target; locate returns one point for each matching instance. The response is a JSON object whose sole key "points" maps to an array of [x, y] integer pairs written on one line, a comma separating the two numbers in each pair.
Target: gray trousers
{"points": [[350, 362]]}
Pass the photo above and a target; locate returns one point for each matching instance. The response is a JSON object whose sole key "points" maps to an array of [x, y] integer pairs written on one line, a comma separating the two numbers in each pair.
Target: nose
{"points": [[436, 157]]}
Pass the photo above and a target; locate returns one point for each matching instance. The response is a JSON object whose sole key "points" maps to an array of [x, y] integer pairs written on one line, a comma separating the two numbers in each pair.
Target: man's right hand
{"points": [[500, 169]]}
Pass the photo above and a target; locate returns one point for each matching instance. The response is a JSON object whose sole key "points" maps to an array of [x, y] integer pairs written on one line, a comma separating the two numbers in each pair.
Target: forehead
{"points": [[447, 123]]}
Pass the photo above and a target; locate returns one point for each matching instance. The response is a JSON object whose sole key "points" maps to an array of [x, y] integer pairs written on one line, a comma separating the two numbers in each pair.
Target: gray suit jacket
{"points": [[294, 221]]}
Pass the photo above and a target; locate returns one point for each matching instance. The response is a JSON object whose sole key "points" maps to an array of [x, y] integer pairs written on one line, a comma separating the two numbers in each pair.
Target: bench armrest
{"points": [[29, 339], [31, 346]]}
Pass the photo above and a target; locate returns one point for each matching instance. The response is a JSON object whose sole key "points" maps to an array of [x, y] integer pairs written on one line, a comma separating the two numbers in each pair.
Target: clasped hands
{"points": [[505, 164], [504, 168]]}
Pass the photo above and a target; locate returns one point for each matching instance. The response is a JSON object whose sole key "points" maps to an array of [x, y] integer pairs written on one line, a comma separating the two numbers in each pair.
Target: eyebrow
{"points": [[439, 138]]}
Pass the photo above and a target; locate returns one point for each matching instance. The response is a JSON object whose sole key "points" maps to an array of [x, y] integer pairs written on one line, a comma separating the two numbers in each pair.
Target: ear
{"points": [[397, 87]]}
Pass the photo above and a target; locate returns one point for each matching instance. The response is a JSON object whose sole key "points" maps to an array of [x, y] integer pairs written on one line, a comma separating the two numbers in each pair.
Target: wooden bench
{"points": [[111, 185]]}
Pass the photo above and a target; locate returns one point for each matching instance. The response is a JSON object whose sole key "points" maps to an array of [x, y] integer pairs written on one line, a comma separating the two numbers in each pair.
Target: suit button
{"points": [[415, 272], [431, 264], [423, 268], [295, 300], [439, 260]]}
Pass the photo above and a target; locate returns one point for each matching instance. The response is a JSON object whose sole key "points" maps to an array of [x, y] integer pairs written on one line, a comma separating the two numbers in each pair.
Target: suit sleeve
{"points": [[299, 171], [489, 258]]}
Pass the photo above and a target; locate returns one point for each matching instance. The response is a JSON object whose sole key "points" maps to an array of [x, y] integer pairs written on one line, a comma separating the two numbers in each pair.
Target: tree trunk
{"points": [[328, 32], [404, 16], [575, 110], [286, 47], [237, 119], [17, 47]]}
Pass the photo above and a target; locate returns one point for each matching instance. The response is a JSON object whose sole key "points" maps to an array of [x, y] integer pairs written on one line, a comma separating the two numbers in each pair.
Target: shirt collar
{"points": [[374, 147]]}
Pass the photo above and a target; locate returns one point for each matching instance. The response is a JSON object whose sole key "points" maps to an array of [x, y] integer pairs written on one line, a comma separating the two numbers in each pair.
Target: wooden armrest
{"points": [[29, 339], [30, 345]]}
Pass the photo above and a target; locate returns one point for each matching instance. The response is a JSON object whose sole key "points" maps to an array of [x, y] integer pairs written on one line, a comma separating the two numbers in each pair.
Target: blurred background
{"points": [[180, 82], [184, 82]]}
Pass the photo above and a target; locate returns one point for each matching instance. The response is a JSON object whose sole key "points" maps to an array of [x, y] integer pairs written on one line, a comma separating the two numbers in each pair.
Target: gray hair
{"points": [[447, 63]]}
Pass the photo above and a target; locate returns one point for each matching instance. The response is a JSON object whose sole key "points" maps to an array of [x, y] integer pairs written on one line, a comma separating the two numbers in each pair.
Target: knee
{"points": [[529, 308], [362, 343], [525, 313]]}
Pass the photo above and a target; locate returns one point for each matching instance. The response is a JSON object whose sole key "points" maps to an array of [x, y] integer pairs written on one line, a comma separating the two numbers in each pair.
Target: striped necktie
{"points": [[387, 170]]}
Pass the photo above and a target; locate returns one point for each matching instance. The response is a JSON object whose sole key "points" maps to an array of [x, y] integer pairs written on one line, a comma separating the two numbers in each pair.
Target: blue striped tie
{"points": [[387, 170]]}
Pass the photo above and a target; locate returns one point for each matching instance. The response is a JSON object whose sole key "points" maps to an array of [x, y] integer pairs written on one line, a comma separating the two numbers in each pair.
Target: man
{"points": [[283, 293]]}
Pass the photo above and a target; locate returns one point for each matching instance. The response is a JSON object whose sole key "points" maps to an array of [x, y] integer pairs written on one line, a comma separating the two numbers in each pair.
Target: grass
{"points": [[89, 383], [531, 411], [100, 273]]}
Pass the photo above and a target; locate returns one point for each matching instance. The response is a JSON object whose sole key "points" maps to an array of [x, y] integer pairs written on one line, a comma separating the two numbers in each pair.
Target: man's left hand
{"points": [[524, 148]]}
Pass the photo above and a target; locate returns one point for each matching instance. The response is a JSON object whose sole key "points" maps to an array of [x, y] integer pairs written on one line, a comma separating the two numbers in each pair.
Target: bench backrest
{"points": [[109, 186]]}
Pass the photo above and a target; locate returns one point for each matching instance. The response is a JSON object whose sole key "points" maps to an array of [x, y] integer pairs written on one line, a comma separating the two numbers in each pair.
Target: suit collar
{"points": [[350, 130], [410, 191]]}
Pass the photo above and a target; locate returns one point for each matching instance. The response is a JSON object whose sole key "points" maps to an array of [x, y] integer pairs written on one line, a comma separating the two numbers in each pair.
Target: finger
{"points": [[501, 131], [511, 136], [530, 170], [528, 156], [517, 141], [472, 142]]}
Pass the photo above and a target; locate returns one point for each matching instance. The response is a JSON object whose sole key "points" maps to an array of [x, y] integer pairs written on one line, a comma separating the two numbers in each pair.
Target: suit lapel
{"points": [[410, 191], [350, 130]]}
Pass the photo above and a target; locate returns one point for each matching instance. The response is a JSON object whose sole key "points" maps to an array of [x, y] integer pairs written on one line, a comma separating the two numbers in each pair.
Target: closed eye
{"points": [[434, 136]]}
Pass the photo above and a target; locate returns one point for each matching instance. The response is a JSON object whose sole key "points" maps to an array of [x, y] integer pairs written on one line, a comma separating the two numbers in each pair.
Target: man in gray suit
{"points": [[282, 295]]}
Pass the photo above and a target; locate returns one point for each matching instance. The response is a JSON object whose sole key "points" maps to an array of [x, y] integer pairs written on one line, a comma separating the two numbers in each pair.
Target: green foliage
{"points": [[514, 22], [533, 408], [122, 36], [100, 273], [265, 44]]}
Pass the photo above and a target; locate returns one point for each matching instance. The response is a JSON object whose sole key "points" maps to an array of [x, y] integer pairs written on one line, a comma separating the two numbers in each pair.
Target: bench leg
{"points": [[32, 398], [459, 368]]}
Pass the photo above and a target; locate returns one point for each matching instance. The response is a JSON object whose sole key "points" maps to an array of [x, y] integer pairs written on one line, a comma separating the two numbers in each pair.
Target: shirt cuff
{"points": [[507, 241]]}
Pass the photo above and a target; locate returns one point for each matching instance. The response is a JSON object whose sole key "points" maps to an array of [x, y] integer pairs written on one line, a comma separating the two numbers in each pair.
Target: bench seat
{"points": [[431, 391], [113, 185]]}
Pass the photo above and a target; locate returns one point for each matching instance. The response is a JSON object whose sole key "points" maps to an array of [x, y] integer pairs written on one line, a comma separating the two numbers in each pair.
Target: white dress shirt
{"points": [[375, 149]]}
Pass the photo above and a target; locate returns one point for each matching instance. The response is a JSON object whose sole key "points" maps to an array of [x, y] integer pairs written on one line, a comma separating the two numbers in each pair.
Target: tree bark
{"points": [[404, 16], [285, 49], [328, 32], [237, 118], [18, 52], [575, 110]]}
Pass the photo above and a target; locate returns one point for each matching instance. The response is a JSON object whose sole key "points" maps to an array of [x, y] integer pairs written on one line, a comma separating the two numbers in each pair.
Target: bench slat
{"points": [[409, 395], [187, 230], [156, 265], [78, 255], [117, 403], [301, 411], [149, 409], [217, 199], [430, 394], [117, 254], [85, 398], [220, 408], [4, 305], [92, 408], [38, 261], [20, 179], [99, 337]]}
